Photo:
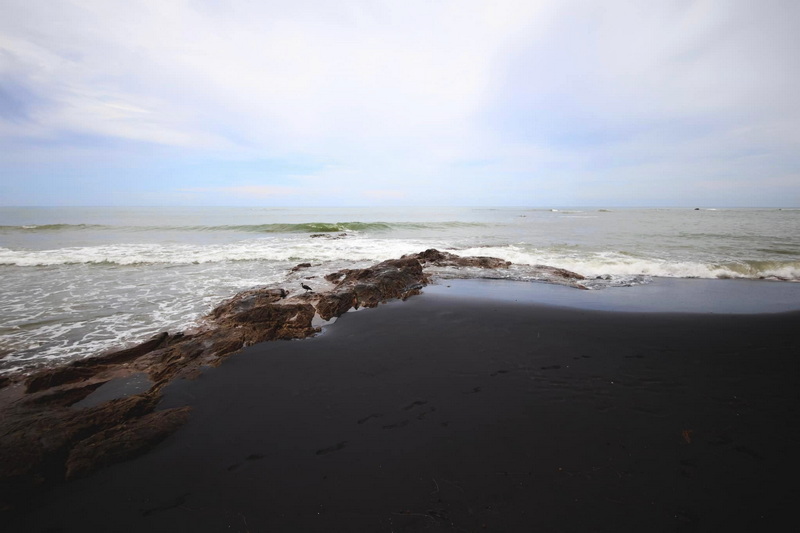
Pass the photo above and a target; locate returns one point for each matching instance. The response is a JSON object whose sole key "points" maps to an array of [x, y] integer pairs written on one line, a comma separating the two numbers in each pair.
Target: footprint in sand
{"points": [[369, 417], [165, 505], [414, 404], [423, 414], [330, 449], [251, 457], [400, 424]]}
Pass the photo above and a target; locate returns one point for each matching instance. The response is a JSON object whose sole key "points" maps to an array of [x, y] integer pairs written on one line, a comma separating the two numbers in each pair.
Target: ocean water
{"points": [[77, 281]]}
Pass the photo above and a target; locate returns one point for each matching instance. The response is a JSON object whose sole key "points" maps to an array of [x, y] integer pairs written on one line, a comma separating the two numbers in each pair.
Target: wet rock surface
{"points": [[45, 438], [435, 257], [117, 444], [368, 287]]}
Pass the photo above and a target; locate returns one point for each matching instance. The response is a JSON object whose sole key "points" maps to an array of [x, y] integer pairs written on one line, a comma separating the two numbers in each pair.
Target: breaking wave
{"points": [[617, 266], [30, 228], [591, 264], [251, 250], [305, 227]]}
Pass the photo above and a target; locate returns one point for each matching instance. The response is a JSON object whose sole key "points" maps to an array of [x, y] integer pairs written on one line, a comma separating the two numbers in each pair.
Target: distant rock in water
{"points": [[43, 439], [328, 236]]}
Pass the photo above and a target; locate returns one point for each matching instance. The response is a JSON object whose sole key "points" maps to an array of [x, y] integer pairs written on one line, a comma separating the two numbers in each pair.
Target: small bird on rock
{"points": [[306, 287]]}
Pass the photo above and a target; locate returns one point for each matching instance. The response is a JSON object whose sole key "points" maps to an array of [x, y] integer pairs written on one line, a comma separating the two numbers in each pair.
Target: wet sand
{"points": [[473, 407]]}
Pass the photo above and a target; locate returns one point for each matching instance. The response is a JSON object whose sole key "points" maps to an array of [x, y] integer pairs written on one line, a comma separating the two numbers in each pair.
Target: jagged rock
{"points": [[34, 443], [335, 304], [48, 378], [64, 397], [247, 300], [553, 272], [444, 259], [435, 257], [120, 443], [85, 368], [336, 277], [301, 266], [122, 356], [164, 365], [367, 287], [42, 439], [268, 321], [249, 318]]}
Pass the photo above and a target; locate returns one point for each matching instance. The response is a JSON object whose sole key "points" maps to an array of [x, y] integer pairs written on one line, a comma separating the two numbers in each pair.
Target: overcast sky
{"points": [[320, 102]]}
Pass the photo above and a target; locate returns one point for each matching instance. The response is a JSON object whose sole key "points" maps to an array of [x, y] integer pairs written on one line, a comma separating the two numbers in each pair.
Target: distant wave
{"points": [[335, 227], [52, 227], [289, 250], [304, 227]]}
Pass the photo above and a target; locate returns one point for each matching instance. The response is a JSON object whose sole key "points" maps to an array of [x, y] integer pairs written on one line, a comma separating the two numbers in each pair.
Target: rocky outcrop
{"points": [[368, 287], [550, 274], [86, 368], [118, 444], [44, 440], [435, 257], [554, 274], [45, 437], [35, 442]]}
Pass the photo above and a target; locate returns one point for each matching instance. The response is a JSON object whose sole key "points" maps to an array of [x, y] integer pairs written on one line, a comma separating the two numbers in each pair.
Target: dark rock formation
{"points": [[247, 300], [552, 273], [445, 259], [435, 257], [367, 287], [44, 439], [328, 236], [35, 442], [64, 397], [115, 444], [86, 368], [58, 376]]}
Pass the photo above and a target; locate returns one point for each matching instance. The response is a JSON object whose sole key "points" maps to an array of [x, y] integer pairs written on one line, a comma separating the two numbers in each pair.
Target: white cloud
{"points": [[366, 74], [402, 97]]}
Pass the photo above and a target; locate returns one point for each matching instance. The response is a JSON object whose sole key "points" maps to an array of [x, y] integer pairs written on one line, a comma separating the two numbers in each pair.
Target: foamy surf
{"points": [[77, 281]]}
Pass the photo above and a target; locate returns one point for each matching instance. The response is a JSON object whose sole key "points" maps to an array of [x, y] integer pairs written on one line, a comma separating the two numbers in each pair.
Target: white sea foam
{"points": [[78, 281], [321, 249], [588, 263], [615, 264]]}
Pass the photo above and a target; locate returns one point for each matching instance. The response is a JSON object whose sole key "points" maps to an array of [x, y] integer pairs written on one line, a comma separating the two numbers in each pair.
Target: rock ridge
{"points": [[45, 440]]}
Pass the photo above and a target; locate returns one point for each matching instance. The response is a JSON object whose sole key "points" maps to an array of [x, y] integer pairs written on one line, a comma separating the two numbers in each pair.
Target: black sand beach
{"points": [[451, 412]]}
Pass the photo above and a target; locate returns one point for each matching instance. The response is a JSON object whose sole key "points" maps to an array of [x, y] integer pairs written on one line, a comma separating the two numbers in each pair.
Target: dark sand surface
{"points": [[451, 413]]}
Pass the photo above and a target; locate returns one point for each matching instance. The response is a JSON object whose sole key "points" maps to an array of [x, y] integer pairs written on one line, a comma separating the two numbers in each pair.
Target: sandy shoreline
{"points": [[450, 413]]}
